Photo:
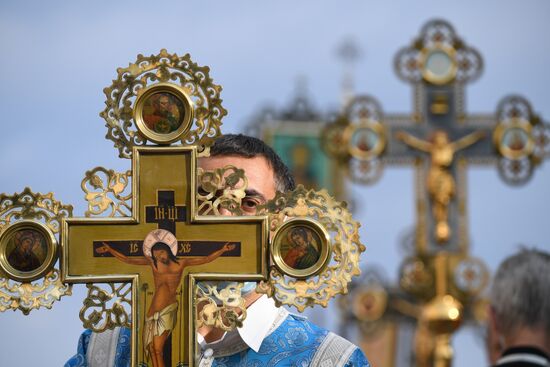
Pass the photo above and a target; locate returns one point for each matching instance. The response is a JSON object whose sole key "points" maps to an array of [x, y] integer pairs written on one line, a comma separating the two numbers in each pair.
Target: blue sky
{"points": [[56, 58]]}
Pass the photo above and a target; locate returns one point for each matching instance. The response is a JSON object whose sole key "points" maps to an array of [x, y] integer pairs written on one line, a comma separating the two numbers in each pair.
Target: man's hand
{"points": [[103, 249], [228, 247]]}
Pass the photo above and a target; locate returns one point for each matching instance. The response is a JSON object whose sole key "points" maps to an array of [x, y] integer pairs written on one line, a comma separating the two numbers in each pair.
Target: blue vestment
{"points": [[294, 342], [108, 353]]}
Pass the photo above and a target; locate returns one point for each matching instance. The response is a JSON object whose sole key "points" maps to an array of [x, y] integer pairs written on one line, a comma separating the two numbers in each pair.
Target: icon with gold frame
{"points": [[163, 113], [301, 248], [514, 139], [365, 140], [28, 250], [438, 64]]}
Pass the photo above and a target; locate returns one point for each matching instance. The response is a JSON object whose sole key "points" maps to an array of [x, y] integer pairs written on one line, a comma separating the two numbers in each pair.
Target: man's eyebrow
{"points": [[252, 192]]}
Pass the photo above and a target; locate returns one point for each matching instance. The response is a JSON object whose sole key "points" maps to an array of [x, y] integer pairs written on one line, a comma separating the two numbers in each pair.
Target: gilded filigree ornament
{"points": [[357, 138], [471, 276], [29, 296], [162, 99], [521, 139], [332, 139], [107, 191], [416, 277], [221, 189], [438, 56], [33, 206], [107, 306], [28, 250], [307, 224], [220, 305], [364, 172]]}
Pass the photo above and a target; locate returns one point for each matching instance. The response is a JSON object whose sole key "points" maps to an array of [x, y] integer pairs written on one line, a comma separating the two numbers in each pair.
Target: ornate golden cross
{"points": [[125, 250]]}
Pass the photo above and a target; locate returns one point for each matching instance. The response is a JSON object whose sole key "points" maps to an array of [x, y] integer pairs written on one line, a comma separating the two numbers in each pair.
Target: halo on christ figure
{"points": [[162, 236]]}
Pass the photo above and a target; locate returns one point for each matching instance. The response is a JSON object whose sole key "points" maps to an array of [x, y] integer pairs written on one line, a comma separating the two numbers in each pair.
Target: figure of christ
{"points": [[440, 183], [167, 273]]}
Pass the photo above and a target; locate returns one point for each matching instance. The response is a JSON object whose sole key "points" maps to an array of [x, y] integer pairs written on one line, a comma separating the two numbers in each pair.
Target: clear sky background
{"points": [[56, 58]]}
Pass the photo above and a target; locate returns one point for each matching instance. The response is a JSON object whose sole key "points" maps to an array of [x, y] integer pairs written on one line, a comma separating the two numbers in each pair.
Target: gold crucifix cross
{"points": [[162, 248]]}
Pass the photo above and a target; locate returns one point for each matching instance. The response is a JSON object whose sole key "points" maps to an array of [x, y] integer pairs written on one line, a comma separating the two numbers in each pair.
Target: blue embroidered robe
{"points": [[296, 342]]}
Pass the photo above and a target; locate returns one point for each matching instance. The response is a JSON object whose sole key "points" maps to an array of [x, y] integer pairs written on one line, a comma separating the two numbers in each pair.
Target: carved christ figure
{"points": [[440, 183], [160, 248]]}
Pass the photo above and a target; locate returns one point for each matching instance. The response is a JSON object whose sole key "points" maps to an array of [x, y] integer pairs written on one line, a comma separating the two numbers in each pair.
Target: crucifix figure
{"points": [[440, 183], [160, 247]]}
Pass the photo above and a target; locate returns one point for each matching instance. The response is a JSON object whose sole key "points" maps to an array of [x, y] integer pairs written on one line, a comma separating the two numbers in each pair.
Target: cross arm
{"points": [[468, 140], [209, 258], [122, 257]]}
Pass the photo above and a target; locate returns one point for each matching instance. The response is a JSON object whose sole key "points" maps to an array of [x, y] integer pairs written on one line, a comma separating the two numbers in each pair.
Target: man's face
{"points": [[161, 255], [261, 179], [164, 103]]}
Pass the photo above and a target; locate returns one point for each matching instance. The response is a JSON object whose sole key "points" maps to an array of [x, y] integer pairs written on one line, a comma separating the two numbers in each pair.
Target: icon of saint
{"points": [[302, 254], [163, 116], [29, 251]]}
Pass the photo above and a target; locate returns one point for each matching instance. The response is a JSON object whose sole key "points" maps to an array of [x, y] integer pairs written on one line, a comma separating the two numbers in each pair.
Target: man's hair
{"points": [[249, 147], [165, 247], [520, 293]]}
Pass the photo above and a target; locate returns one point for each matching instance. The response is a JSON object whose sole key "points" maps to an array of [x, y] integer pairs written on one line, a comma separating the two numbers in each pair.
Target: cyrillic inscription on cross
{"points": [[166, 213], [158, 248]]}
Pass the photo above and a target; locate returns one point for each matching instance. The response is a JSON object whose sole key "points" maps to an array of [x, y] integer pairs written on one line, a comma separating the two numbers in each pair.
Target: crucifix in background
{"points": [[439, 139]]}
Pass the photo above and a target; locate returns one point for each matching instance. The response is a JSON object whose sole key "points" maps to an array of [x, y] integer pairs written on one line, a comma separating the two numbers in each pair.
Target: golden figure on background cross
{"points": [[440, 183]]}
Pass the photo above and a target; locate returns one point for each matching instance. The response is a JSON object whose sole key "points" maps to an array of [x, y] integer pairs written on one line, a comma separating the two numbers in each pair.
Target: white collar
{"points": [[262, 318]]}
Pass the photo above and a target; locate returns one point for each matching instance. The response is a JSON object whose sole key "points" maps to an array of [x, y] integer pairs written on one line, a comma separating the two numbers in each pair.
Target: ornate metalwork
{"points": [[107, 306], [415, 276], [28, 296], [221, 189], [438, 36], [364, 172], [471, 276], [43, 208], [521, 139], [346, 247], [162, 68], [107, 190], [357, 139], [332, 139], [223, 308], [28, 205]]}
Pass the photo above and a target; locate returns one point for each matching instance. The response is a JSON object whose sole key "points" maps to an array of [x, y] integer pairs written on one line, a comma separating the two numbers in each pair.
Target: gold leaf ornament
{"points": [[220, 305], [46, 212], [308, 287], [223, 188], [107, 191], [165, 73]]}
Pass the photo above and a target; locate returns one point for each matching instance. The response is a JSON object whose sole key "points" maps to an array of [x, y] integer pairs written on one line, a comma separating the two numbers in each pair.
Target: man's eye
{"points": [[249, 204]]}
